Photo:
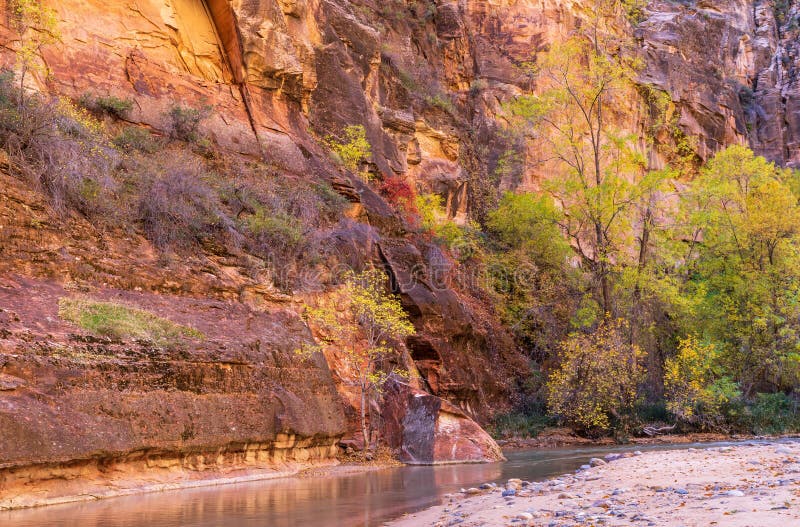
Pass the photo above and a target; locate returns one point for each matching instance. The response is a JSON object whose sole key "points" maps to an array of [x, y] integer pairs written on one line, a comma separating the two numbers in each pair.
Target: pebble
{"points": [[527, 516], [509, 492], [596, 462], [735, 493], [471, 490], [637, 453], [681, 491]]}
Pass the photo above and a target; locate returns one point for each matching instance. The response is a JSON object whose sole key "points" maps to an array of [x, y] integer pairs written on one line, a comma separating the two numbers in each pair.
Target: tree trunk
{"points": [[364, 418], [602, 269]]}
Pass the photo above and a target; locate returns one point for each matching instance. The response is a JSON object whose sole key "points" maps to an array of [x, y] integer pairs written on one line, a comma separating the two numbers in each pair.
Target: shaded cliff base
{"points": [[154, 471]]}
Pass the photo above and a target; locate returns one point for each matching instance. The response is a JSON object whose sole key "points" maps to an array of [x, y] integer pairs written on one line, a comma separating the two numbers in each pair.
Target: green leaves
{"points": [[380, 315], [352, 148], [747, 265]]}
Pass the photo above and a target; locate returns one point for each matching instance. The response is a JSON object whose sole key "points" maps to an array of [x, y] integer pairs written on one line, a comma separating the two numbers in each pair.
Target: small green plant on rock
{"points": [[442, 102], [121, 321], [352, 149], [114, 106], [111, 105], [184, 122]]}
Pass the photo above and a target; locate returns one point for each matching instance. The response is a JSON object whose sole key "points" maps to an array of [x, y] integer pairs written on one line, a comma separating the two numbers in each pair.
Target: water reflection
{"points": [[364, 499]]}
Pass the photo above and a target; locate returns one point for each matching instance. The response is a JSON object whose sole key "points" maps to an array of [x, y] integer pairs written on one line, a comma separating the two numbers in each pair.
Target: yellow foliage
{"points": [[353, 149], [363, 322], [695, 392], [598, 378], [36, 25]]}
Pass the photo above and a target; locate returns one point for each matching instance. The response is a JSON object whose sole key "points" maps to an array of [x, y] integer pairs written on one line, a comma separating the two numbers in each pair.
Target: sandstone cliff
{"points": [[427, 80]]}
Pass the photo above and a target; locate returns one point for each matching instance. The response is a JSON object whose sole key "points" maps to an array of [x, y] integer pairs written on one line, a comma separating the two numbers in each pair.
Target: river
{"points": [[360, 499]]}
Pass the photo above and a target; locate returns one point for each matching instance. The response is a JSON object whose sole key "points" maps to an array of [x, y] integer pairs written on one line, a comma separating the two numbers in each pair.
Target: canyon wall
{"points": [[427, 80]]}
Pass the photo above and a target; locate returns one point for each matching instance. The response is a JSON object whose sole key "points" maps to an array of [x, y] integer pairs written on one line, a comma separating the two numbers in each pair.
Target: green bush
{"points": [[135, 138], [183, 122], [526, 421], [278, 229], [122, 321], [114, 106], [111, 105], [771, 413]]}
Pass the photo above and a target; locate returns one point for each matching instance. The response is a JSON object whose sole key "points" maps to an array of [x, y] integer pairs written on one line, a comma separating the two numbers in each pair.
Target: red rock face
{"points": [[81, 412], [427, 430], [428, 86], [731, 70]]}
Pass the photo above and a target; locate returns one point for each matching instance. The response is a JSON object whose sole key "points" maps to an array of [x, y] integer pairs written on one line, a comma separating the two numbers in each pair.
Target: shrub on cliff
{"points": [[402, 197], [134, 138], [352, 148], [183, 122], [177, 206], [58, 148], [111, 105], [283, 222], [463, 241]]}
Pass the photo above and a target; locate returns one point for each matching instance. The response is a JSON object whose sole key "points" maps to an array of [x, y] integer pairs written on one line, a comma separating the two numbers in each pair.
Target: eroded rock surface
{"points": [[427, 79], [427, 430], [231, 403]]}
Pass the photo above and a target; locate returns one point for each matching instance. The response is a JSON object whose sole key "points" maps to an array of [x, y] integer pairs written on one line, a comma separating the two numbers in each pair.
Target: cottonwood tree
{"points": [[743, 267], [364, 323], [570, 123]]}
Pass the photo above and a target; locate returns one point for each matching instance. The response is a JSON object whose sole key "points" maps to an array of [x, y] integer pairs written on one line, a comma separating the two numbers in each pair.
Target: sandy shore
{"points": [[748, 485]]}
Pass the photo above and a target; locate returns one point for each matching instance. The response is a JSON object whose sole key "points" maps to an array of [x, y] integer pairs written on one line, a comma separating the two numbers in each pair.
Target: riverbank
{"points": [[565, 437], [53, 485], [732, 486]]}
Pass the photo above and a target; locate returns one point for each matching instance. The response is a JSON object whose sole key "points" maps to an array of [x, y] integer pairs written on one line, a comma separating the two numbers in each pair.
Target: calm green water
{"points": [[365, 499]]}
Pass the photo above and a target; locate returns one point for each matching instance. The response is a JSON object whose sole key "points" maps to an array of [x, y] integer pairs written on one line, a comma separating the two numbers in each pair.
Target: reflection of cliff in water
{"points": [[345, 500], [351, 500]]}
